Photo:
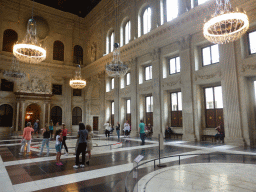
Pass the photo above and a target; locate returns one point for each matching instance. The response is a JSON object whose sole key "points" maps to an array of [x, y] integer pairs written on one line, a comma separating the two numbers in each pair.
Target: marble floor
{"points": [[112, 160]]}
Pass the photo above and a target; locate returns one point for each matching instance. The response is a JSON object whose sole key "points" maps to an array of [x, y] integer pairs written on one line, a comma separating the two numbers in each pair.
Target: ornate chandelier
{"points": [[116, 68], [30, 50], [14, 73], [77, 82], [226, 25]]}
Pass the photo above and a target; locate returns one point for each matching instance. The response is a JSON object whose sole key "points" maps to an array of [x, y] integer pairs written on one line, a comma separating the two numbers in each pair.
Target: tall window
{"points": [[112, 83], [146, 21], [252, 42], [213, 106], [6, 115], [149, 104], [76, 116], [174, 65], [148, 72], [58, 51], [176, 109], [201, 1], [78, 55], [210, 55], [112, 112], [9, 39], [128, 111], [127, 32], [77, 92], [6, 85], [149, 110], [110, 42], [128, 78], [128, 106], [56, 115]]}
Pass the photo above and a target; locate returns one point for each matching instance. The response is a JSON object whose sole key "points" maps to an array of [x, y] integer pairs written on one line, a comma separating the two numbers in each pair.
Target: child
{"points": [[58, 146]]}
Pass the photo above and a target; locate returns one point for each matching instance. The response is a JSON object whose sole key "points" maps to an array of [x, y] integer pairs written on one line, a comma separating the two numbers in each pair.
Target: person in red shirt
{"points": [[26, 138], [64, 134]]}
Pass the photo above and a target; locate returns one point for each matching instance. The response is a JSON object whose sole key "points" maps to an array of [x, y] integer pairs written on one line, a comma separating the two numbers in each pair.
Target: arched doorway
{"points": [[6, 115], [32, 114]]}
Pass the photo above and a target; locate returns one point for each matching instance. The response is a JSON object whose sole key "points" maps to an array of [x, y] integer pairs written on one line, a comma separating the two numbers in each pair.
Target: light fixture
{"points": [[77, 82], [116, 68], [30, 50], [14, 72], [226, 25]]}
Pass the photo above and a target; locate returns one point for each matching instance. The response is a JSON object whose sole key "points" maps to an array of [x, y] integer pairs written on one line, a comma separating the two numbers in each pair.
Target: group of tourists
{"points": [[83, 145], [110, 128]]}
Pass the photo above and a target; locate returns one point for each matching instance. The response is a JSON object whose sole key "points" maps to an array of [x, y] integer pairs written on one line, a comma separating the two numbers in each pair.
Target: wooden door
{"points": [[95, 123]]}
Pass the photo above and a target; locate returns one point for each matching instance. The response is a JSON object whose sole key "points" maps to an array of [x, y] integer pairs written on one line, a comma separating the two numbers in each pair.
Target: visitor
{"points": [[51, 128], [46, 139], [118, 130], [126, 128], [26, 138], [36, 127], [89, 142], [83, 136], [142, 132], [107, 129], [220, 133], [58, 137], [64, 135], [168, 132]]}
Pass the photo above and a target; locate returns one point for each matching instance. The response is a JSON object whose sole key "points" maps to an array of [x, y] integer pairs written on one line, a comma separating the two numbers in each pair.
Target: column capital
{"points": [[155, 54], [185, 42]]}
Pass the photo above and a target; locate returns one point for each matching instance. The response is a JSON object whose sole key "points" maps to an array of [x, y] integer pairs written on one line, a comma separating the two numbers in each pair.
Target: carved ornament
{"points": [[206, 77], [185, 42], [170, 84], [248, 67]]}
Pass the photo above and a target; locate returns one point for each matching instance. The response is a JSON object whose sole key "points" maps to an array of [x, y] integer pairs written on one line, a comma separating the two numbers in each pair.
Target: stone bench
{"points": [[205, 137]]}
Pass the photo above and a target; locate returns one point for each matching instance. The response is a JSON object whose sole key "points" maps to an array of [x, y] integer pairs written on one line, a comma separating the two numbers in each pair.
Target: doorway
{"points": [[95, 123], [32, 114]]}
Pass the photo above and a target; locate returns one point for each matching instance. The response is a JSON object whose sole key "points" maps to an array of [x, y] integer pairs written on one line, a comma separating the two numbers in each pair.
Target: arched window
{"points": [[78, 55], [125, 32], [6, 115], [9, 39], [169, 10], [110, 42], [76, 116], [56, 115], [58, 51], [146, 21]]}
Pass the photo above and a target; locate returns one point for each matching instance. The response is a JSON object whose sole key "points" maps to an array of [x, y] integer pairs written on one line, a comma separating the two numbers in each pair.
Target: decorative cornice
{"points": [[248, 67], [206, 77]]}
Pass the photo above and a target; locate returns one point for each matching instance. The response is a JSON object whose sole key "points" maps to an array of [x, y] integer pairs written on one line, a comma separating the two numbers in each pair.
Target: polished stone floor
{"points": [[111, 161]]}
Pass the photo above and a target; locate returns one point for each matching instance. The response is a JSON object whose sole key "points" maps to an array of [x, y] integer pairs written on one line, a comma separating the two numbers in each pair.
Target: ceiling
{"points": [[77, 7]]}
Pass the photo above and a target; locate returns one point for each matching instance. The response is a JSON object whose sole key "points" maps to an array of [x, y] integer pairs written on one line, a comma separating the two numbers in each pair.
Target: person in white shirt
{"points": [[127, 128], [107, 129]]}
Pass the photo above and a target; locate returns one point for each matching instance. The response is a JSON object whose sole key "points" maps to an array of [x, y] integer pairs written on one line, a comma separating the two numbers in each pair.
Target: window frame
{"points": [[151, 104], [109, 43], [112, 83], [6, 83], [169, 61], [145, 72], [112, 107], [248, 40], [126, 82], [202, 56], [54, 88], [214, 104], [177, 112], [142, 20], [127, 106], [128, 22]]}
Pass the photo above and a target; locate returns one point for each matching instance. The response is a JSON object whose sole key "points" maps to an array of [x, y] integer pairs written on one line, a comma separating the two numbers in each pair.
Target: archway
{"points": [[32, 114]]}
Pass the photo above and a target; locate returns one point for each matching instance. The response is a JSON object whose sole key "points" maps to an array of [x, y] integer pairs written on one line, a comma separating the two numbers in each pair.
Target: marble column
{"points": [[22, 115], [230, 93], [156, 93], [44, 114], [102, 102], [116, 100], [49, 113], [134, 108], [67, 112], [17, 116], [187, 90]]}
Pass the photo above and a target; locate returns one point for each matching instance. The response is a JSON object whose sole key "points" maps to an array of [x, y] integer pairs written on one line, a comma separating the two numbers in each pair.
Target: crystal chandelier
{"points": [[14, 73], [226, 25], [116, 68], [77, 82], [30, 50]]}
